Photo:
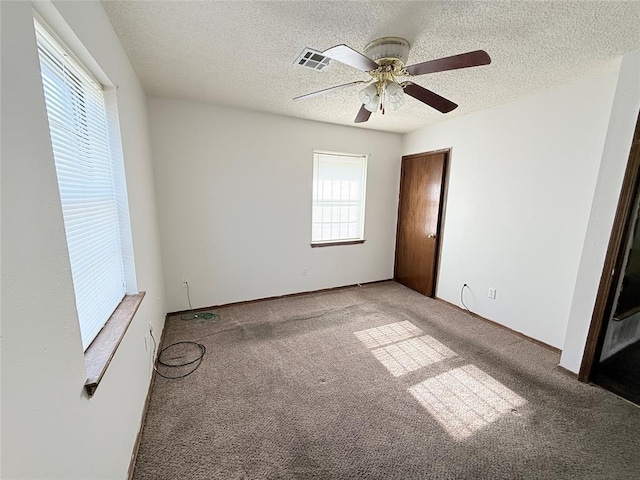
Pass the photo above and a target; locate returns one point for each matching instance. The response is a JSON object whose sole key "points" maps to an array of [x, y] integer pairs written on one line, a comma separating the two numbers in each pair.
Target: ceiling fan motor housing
{"points": [[392, 49]]}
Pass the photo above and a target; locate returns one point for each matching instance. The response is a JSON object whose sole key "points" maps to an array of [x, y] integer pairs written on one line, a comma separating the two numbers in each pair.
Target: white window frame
{"points": [[338, 207], [94, 306]]}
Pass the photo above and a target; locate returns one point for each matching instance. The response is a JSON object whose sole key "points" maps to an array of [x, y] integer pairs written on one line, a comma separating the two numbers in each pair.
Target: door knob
{"points": [[433, 235]]}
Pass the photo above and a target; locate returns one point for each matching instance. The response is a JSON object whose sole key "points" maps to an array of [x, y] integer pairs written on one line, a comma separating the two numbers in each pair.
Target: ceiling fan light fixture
{"points": [[395, 92], [395, 105], [393, 95], [367, 93], [374, 104]]}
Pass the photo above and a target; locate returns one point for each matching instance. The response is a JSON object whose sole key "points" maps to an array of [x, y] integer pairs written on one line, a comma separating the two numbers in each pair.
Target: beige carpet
{"points": [[377, 382]]}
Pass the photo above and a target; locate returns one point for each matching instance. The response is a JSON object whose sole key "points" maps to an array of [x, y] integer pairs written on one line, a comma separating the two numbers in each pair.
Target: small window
{"points": [[88, 160], [339, 185]]}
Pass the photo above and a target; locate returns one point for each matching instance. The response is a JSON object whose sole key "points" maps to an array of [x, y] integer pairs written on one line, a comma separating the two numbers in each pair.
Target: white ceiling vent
{"points": [[312, 59]]}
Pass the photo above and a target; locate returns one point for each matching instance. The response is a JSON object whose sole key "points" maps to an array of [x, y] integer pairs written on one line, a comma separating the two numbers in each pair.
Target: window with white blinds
{"points": [[339, 185], [90, 178]]}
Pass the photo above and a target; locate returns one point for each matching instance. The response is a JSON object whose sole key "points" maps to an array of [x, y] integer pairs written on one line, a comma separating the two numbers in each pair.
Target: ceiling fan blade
{"points": [[427, 96], [349, 56], [363, 115], [464, 60], [328, 90]]}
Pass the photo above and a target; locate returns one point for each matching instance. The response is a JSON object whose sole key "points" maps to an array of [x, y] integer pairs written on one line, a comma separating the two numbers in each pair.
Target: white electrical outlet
{"points": [[184, 283], [492, 293], [305, 271]]}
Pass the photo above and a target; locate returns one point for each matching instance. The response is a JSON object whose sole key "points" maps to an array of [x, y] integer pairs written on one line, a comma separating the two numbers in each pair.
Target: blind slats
{"points": [[85, 169], [339, 184]]}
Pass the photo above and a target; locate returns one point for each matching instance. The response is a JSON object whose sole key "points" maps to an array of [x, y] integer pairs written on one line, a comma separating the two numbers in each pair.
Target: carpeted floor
{"points": [[377, 382]]}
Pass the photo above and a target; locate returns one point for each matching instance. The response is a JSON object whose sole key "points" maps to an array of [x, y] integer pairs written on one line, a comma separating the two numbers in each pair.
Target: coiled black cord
{"points": [[196, 362]]}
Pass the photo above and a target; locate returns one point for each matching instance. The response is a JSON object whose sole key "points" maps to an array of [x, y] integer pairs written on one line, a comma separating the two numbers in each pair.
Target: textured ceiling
{"points": [[240, 54]]}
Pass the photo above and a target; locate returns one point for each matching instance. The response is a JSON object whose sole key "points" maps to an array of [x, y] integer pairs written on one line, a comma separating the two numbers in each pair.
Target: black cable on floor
{"points": [[197, 361], [462, 297]]}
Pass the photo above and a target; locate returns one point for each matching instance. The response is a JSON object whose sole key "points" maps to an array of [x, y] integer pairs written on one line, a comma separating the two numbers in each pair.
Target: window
{"points": [[87, 153], [339, 184]]}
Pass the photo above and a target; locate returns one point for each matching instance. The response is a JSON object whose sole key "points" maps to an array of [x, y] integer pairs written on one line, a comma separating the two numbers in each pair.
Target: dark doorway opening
{"points": [[612, 352]]}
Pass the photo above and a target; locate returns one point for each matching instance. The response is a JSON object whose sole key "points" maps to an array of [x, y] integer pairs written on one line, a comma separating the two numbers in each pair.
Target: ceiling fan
{"points": [[384, 60]]}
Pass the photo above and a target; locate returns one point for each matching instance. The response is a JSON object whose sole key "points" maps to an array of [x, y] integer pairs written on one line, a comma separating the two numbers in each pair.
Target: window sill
{"points": [[99, 354], [337, 242]]}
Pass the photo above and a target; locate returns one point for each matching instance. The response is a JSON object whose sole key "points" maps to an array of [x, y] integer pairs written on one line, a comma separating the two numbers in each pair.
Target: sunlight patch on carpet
{"points": [[465, 399], [410, 355], [391, 333]]}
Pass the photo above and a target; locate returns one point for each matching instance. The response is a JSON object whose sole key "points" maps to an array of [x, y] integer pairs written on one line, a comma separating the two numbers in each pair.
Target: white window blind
{"points": [[86, 178], [339, 185]]}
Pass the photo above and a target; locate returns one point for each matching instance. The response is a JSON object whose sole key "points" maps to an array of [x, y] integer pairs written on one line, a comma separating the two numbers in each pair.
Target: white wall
{"points": [[522, 176], [234, 196], [50, 429], [621, 126]]}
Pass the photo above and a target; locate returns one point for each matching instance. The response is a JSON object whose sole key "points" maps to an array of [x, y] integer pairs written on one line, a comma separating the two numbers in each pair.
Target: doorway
{"points": [[612, 353], [619, 363], [420, 210]]}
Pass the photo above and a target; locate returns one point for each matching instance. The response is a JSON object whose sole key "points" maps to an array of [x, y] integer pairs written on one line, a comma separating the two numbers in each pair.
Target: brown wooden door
{"points": [[419, 212]]}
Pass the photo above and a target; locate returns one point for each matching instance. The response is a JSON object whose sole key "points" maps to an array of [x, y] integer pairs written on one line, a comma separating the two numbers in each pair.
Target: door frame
{"points": [[614, 261], [441, 211]]}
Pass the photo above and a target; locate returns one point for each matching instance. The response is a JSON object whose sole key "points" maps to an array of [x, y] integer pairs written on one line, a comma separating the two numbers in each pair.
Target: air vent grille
{"points": [[312, 59]]}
